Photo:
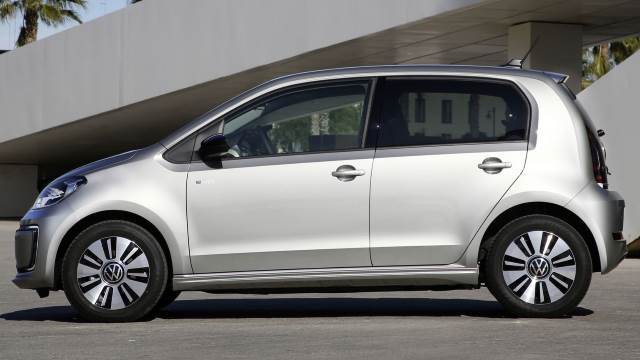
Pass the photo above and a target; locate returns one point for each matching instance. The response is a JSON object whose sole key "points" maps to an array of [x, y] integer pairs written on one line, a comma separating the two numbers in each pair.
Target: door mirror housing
{"points": [[213, 148]]}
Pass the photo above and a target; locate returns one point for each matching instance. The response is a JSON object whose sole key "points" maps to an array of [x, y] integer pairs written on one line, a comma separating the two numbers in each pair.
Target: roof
{"points": [[394, 70]]}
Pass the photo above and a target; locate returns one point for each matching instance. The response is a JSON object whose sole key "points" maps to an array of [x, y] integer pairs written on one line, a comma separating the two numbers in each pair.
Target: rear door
{"points": [[448, 151]]}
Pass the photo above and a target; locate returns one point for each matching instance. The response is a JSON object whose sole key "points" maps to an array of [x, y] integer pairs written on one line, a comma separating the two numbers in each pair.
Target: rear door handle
{"points": [[493, 165], [347, 173]]}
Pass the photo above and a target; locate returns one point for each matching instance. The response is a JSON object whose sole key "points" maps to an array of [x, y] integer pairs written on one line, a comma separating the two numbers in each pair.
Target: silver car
{"points": [[358, 179]]}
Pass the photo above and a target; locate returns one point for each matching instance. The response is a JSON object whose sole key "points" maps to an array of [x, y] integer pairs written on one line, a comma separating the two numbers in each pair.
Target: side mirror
{"points": [[213, 148]]}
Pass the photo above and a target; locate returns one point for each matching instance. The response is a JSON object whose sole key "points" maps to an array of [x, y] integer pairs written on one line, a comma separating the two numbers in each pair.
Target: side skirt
{"points": [[322, 280]]}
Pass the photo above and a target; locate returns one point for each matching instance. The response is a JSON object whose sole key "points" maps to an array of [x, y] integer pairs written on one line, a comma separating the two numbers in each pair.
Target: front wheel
{"points": [[114, 271], [538, 266]]}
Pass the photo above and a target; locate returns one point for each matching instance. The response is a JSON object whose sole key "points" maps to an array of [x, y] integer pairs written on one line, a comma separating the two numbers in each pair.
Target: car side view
{"points": [[407, 177]]}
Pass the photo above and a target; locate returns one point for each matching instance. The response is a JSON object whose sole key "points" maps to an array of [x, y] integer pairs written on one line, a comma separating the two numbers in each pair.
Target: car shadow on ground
{"points": [[298, 308]]}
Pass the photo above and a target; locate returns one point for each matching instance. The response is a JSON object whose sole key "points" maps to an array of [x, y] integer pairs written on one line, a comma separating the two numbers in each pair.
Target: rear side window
{"points": [[435, 111]]}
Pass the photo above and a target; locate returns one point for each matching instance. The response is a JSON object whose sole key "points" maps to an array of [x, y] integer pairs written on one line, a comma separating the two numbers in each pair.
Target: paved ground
{"points": [[466, 324]]}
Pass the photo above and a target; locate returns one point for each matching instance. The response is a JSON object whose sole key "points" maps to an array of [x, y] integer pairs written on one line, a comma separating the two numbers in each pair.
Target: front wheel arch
{"points": [[103, 216], [540, 208]]}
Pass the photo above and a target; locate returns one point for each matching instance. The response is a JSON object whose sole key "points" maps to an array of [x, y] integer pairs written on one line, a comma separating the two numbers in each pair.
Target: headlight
{"points": [[57, 191]]}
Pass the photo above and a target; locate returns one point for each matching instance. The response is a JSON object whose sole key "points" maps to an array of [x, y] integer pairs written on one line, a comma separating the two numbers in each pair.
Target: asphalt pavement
{"points": [[463, 324]]}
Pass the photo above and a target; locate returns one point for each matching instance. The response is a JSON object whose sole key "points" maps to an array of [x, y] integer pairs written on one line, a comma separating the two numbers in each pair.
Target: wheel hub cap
{"points": [[539, 267], [113, 273]]}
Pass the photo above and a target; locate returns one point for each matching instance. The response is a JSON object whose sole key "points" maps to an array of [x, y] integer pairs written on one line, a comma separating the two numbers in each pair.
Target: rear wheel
{"points": [[114, 271], [538, 266]]}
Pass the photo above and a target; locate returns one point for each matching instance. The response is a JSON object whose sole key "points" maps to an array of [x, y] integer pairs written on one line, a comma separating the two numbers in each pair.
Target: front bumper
{"points": [[36, 245], [26, 247], [603, 213]]}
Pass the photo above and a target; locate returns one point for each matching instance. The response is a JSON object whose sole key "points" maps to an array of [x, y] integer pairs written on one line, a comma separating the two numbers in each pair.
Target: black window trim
{"points": [[373, 106], [381, 92]]}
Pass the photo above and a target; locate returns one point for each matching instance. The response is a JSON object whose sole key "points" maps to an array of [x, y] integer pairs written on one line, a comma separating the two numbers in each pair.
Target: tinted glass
{"points": [[430, 112], [323, 118], [182, 152]]}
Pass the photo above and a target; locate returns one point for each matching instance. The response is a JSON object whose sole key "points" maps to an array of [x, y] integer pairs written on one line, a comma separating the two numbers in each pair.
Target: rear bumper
{"points": [[603, 213]]}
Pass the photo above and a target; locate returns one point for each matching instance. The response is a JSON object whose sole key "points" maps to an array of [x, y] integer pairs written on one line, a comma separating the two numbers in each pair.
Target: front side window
{"points": [[434, 111], [320, 118]]}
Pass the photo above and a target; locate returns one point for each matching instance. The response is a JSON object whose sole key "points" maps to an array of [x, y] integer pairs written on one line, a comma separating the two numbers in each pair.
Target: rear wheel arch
{"points": [[540, 208], [95, 218]]}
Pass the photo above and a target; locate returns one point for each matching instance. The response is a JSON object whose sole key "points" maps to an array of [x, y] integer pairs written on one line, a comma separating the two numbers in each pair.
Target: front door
{"points": [[294, 191], [448, 151]]}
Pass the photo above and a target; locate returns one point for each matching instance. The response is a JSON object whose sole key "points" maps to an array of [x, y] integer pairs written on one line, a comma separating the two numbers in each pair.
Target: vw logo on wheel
{"points": [[539, 267], [113, 273]]}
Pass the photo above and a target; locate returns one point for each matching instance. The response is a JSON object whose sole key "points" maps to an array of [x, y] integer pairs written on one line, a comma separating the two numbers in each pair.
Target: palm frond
{"points": [[68, 4], [51, 15], [73, 15], [57, 12], [9, 9]]}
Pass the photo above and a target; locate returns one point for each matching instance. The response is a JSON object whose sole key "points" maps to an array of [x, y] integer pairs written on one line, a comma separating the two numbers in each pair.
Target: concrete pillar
{"points": [[558, 49], [18, 189]]}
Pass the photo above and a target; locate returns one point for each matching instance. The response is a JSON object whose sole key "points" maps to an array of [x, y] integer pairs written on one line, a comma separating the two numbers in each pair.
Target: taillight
{"points": [[598, 161]]}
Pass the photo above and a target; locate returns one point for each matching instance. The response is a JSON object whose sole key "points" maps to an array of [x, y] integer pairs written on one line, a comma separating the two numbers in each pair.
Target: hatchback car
{"points": [[357, 179]]}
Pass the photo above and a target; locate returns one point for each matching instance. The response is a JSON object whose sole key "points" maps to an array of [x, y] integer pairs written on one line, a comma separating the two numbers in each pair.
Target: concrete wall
{"points": [[17, 189], [155, 47], [612, 103]]}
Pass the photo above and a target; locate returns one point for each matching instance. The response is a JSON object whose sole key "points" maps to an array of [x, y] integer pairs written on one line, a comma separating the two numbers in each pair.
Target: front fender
{"points": [[172, 228]]}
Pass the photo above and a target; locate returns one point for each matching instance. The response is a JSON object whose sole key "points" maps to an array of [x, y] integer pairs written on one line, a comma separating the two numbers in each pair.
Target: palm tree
{"points": [[620, 50], [50, 12], [598, 64]]}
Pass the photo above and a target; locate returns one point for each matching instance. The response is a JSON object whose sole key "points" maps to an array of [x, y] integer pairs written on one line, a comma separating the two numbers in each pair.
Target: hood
{"points": [[101, 164]]}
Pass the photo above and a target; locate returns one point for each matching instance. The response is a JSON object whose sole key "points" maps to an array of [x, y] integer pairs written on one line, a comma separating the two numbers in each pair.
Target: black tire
{"points": [[152, 278], [167, 298], [538, 301]]}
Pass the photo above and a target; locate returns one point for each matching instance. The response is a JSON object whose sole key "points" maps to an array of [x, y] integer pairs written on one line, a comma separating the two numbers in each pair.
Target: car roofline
{"points": [[355, 72], [422, 68]]}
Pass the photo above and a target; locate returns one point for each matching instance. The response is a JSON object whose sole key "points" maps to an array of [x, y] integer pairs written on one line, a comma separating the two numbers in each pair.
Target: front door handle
{"points": [[347, 173], [493, 165]]}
